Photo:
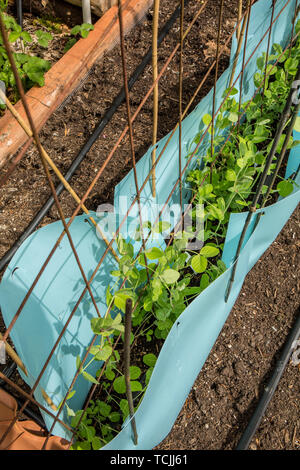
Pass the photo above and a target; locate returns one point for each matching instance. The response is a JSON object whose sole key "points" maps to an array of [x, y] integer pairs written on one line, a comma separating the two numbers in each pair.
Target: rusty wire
{"points": [[65, 230], [227, 138], [216, 79], [268, 47], [250, 3], [187, 107], [101, 170], [180, 93]]}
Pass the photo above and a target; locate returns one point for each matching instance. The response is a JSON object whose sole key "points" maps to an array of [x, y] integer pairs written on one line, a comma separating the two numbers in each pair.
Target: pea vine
{"points": [[162, 282]]}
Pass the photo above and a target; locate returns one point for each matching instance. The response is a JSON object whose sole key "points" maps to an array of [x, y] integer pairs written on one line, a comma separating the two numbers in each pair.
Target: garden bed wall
{"points": [[67, 74]]}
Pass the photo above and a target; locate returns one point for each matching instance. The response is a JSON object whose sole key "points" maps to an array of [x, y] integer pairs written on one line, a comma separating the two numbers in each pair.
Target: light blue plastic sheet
{"points": [[193, 335], [49, 306]]}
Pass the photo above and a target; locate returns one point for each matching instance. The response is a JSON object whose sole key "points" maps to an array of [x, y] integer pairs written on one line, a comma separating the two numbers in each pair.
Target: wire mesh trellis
{"points": [[110, 248]]}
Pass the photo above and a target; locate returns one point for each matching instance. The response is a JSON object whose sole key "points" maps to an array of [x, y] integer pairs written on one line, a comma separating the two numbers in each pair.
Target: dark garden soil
{"points": [[227, 388], [226, 391]]}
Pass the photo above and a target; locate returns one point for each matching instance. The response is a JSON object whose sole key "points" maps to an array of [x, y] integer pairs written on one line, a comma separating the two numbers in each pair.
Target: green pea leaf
{"points": [[26, 36], [135, 372], [199, 263], [148, 375], [136, 386], [104, 353], [230, 175], [170, 276], [241, 203], [104, 408], [204, 281], [161, 227], [149, 360], [216, 212], [162, 313], [148, 304], [285, 188], [206, 119], [13, 36], [260, 63], [96, 443], [109, 374], [43, 38], [119, 384], [154, 253], [124, 407], [89, 377], [233, 117], [85, 445], [114, 417], [209, 251]]}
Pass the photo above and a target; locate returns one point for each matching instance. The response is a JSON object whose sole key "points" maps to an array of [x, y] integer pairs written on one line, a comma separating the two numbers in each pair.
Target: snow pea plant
{"points": [[159, 281], [225, 177]]}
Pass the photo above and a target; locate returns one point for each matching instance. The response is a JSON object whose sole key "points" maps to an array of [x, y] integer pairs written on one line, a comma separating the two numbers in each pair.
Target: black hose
{"points": [[120, 98], [20, 12], [8, 371], [270, 388]]}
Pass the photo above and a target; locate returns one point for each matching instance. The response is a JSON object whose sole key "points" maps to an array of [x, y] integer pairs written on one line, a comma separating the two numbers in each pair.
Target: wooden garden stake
{"points": [[240, 10], [127, 334], [180, 98], [155, 91], [240, 37], [212, 125], [14, 356]]}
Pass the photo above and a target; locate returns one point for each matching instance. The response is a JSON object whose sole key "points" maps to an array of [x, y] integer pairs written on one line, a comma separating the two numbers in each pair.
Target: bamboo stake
{"points": [[56, 170], [239, 16], [127, 334], [155, 91], [240, 37], [14, 356], [44, 163], [180, 97]]}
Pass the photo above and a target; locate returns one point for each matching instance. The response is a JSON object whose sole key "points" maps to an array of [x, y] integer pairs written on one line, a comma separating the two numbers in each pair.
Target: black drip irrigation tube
{"points": [[271, 386], [118, 100]]}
